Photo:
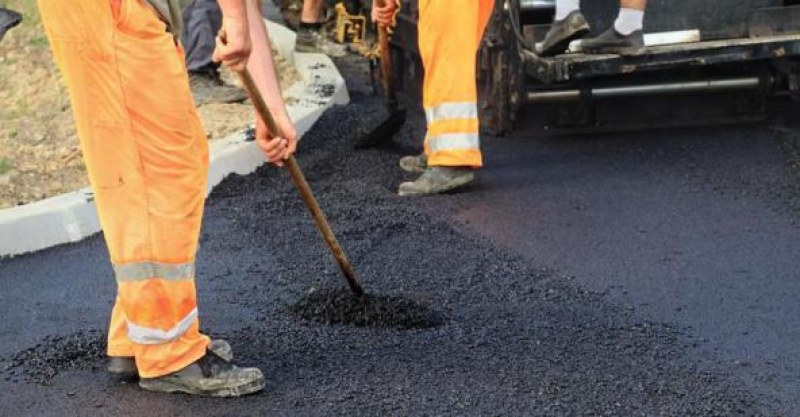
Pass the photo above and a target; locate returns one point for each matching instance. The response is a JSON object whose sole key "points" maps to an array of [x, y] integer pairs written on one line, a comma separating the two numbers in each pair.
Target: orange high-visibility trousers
{"points": [[449, 36], [147, 159]]}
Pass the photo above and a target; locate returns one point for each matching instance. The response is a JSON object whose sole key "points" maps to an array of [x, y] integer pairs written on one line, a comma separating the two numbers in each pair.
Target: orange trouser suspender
{"points": [[147, 159]]}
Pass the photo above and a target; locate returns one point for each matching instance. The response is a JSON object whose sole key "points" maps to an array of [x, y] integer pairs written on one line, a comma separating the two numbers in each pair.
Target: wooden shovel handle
{"points": [[302, 185]]}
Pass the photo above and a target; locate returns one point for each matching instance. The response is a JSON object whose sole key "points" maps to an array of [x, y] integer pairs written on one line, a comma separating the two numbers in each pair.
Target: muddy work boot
{"points": [[311, 38], [562, 32], [208, 88], [437, 180], [8, 20], [211, 376], [613, 43], [414, 163], [125, 367]]}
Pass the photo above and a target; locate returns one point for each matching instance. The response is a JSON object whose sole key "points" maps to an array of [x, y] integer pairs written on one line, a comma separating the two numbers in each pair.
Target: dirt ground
{"points": [[39, 153]]}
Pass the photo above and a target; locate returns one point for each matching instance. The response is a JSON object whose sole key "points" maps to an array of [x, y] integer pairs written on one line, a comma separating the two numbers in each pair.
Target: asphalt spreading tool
{"points": [[302, 185], [396, 116]]}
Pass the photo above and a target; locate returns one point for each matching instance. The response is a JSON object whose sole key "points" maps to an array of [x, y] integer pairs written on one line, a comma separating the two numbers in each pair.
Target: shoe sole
{"points": [[562, 45], [167, 387], [458, 182]]}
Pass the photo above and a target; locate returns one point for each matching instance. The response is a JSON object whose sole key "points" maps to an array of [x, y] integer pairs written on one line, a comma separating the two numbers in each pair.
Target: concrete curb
{"points": [[72, 216]]}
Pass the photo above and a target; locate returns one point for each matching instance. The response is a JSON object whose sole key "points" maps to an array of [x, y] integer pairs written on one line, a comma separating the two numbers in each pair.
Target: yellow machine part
{"points": [[349, 28]]}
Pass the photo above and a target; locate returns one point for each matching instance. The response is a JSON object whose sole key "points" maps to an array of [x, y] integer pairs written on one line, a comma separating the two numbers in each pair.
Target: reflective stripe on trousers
{"points": [[449, 38], [147, 158]]}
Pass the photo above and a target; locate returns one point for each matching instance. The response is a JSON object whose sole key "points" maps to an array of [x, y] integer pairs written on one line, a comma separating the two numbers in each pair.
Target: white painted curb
{"points": [[72, 216]]}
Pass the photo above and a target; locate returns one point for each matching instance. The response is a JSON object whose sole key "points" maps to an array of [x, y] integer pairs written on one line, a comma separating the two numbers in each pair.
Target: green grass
{"points": [[5, 166], [40, 41]]}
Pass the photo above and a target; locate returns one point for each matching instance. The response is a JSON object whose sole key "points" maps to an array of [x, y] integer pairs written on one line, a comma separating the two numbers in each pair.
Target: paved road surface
{"points": [[618, 275]]}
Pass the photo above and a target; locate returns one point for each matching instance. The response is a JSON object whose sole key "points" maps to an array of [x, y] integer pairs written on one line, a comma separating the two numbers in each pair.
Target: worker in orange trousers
{"points": [[147, 158], [449, 37]]}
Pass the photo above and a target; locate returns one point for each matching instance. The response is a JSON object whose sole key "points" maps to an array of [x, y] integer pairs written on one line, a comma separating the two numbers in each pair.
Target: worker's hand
{"points": [[384, 15], [277, 147], [233, 43]]}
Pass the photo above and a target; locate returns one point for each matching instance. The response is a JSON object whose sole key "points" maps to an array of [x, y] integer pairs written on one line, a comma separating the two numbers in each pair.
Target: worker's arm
{"points": [[235, 49], [277, 145]]}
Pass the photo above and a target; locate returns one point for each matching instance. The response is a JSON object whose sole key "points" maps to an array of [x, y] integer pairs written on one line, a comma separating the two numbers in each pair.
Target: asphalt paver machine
{"points": [[707, 61]]}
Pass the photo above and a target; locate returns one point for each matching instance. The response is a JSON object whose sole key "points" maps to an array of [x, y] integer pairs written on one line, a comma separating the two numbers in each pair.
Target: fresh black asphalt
{"points": [[614, 275]]}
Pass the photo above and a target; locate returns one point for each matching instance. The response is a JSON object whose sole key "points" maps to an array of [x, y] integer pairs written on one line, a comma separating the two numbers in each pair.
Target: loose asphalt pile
{"points": [[342, 307], [456, 327], [55, 354]]}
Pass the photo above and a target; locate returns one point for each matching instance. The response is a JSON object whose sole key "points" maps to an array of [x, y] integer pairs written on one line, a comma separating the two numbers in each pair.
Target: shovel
{"points": [[396, 116], [302, 185]]}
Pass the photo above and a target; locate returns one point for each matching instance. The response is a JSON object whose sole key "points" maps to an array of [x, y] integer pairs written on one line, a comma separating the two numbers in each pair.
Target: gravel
{"points": [[342, 307], [55, 354]]}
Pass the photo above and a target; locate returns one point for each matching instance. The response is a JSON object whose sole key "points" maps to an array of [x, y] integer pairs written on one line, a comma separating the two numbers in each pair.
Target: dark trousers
{"points": [[202, 19]]}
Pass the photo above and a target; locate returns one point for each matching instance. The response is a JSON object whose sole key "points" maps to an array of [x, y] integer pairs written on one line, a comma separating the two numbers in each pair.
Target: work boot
{"points": [[612, 42], [211, 376], [315, 41], [8, 20], [125, 367], [207, 87], [291, 10], [414, 163], [437, 180], [562, 32]]}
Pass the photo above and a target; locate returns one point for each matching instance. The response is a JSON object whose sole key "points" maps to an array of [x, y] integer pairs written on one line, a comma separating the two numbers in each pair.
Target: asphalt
{"points": [[617, 275]]}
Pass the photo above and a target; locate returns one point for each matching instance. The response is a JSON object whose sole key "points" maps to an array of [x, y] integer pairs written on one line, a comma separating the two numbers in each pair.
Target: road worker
{"points": [[147, 160], [449, 38], [624, 37], [202, 19]]}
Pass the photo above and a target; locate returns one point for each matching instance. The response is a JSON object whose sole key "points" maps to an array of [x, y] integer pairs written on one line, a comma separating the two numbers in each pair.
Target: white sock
{"points": [[629, 21], [565, 7]]}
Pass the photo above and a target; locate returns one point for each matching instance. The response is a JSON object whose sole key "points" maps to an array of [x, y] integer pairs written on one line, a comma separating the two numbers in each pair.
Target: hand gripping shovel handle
{"points": [[302, 185]]}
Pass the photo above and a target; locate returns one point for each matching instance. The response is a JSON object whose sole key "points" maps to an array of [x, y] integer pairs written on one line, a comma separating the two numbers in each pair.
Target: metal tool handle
{"points": [[302, 185]]}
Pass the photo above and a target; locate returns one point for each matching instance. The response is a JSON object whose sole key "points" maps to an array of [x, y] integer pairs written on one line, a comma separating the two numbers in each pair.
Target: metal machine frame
{"points": [[748, 51]]}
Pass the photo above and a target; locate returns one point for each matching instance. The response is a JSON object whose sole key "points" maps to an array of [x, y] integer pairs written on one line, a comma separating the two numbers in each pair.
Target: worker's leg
{"points": [[202, 19], [633, 4], [569, 24], [449, 38], [565, 7], [631, 16], [312, 11], [311, 33], [626, 36], [147, 159]]}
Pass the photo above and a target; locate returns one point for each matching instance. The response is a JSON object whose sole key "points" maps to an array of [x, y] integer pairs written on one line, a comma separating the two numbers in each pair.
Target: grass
{"points": [[5, 166], [40, 41]]}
